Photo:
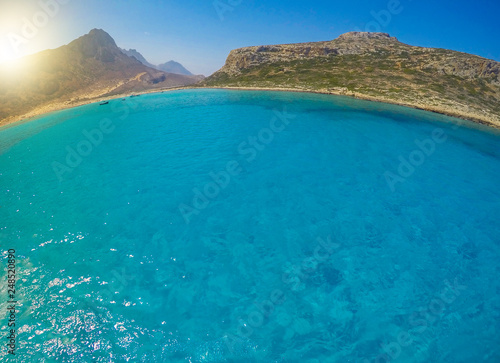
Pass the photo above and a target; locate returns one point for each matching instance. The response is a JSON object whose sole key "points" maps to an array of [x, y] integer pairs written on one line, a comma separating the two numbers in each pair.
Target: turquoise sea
{"points": [[245, 226]]}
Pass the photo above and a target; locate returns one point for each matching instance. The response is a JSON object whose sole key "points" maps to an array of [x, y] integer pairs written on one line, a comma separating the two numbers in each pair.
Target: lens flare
{"points": [[10, 62]]}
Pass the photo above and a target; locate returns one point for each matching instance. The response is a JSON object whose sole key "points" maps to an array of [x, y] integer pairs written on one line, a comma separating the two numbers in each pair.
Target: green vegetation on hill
{"points": [[380, 68]]}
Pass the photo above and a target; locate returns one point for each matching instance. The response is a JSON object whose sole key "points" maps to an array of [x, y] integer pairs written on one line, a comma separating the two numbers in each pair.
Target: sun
{"points": [[7, 54], [9, 60]]}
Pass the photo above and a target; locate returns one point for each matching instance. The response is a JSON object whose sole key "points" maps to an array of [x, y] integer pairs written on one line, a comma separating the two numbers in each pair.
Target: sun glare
{"points": [[9, 60]]}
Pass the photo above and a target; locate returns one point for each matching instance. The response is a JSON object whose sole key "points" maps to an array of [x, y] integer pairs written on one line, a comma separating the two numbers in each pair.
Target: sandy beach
{"points": [[63, 105], [484, 119]]}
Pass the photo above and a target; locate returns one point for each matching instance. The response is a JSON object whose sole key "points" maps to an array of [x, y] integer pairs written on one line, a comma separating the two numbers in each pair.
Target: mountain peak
{"points": [[96, 44], [134, 53], [169, 67], [174, 67], [100, 37]]}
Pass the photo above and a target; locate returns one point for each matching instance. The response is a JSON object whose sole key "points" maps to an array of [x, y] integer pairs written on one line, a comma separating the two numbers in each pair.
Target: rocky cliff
{"points": [[373, 66]]}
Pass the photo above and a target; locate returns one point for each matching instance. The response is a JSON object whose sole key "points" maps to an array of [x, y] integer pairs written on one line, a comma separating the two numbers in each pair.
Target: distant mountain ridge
{"points": [[174, 67], [169, 67], [373, 66], [134, 53], [88, 68]]}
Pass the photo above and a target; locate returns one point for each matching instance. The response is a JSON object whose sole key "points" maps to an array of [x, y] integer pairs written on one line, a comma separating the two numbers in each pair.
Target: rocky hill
{"points": [[89, 68], [373, 66]]}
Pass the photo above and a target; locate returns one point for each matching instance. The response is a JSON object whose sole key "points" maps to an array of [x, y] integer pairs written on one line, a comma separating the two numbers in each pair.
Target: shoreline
{"points": [[60, 106], [360, 96], [47, 109]]}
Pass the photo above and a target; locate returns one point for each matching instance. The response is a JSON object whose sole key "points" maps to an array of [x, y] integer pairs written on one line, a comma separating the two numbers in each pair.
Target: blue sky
{"points": [[200, 34]]}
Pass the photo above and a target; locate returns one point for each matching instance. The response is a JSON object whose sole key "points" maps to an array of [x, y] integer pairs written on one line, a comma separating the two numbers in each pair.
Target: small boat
{"points": [[103, 103]]}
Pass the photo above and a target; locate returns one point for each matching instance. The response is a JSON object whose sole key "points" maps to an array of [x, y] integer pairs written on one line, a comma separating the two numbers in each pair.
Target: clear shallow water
{"points": [[306, 255]]}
